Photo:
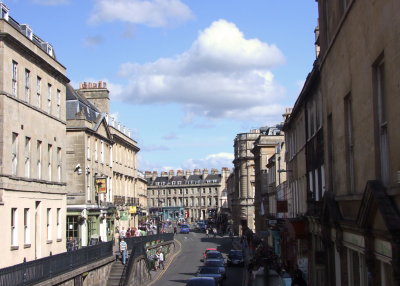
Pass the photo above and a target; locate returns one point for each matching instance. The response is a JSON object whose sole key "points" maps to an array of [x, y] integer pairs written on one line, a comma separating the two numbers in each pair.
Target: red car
{"points": [[205, 252]]}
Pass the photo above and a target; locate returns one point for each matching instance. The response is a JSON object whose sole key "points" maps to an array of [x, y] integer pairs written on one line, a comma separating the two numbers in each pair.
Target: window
{"points": [[49, 98], [14, 163], [58, 103], [39, 159], [88, 148], [27, 157], [59, 224], [382, 122], [50, 159], [95, 150], [38, 91], [102, 152], [15, 78], [357, 269], [26, 226], [59, 164], [27, 85], [14, 234], [48, 224], [349, 143], [111, 156]]}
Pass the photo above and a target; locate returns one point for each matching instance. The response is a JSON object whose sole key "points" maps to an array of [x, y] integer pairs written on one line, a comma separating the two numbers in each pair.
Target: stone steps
{"points": [[116, 271]]}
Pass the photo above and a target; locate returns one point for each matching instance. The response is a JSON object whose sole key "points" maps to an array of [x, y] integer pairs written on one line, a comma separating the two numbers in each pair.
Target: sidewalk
{"points": [[156, 275]]}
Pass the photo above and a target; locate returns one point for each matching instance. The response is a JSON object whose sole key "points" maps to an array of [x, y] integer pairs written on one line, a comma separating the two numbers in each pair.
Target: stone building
{"points": [[359, 72], [32, 149], [90, 171], [347, 115], [186, 195], [101, 196], [243, 213], [264, 149]]}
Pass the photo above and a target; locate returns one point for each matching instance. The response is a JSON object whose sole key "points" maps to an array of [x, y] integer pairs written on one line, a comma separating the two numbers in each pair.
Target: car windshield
{"points": [[214, 263], [213, 255], [184, 226], [209, 270]]}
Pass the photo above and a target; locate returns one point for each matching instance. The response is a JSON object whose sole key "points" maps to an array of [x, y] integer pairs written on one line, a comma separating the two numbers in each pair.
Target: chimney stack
{"points": [[96, 93]]}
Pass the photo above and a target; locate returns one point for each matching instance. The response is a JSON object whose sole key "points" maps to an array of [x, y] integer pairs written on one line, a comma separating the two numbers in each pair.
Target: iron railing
{"points": [[32, 272]]}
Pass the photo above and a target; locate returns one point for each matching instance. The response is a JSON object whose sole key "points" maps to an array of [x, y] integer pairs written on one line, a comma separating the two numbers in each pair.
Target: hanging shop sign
{"points": [[101, 185], [132, 210], [123, 215]]}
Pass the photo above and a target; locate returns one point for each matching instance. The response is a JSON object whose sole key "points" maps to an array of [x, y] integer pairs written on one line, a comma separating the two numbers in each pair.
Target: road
{"points": [[186, 264]]}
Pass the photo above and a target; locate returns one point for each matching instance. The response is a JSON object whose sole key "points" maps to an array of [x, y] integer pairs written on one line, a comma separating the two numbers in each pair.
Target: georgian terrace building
{"points": [[32, 149], [193, 196]]}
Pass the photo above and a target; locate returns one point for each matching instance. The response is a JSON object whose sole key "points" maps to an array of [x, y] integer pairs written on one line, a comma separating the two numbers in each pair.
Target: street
{"points": [[186, 264]]}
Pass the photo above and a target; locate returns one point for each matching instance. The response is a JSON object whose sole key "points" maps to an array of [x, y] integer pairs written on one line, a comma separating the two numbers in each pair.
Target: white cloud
{"points": [[170, 136], [93, 41], [217, 161], [223, 74], [50, 2], [153, 13]]}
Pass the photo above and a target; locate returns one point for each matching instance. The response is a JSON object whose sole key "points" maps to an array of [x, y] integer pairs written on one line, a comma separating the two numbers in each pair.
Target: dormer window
{"points": [[27, 31], [3, 11], [47, 48]]}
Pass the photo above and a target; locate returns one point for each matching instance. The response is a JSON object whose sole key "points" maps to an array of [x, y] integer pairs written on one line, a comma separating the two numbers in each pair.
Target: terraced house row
{"points": [[67, 168]]}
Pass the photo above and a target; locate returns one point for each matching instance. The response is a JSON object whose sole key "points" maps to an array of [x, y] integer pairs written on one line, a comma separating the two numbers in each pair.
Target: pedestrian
{"points": [[161, 260], [123, 248], [122, 233], [128, 232], [207, 232], [214, 232], [71, 244], [175, 230]]}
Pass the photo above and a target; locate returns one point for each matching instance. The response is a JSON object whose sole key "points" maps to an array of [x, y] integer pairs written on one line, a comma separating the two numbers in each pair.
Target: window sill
{"points": [[59, 239], [27, 245], [49, 241], [14, 248]]}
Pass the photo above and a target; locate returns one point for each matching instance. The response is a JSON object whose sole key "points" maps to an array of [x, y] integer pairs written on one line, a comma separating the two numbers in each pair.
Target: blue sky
{"points": [[185, 76]]}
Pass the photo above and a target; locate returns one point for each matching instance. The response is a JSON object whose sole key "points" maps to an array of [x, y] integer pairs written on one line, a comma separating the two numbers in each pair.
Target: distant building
{"points": [[243, 210], [33, 144], [186, 195]]}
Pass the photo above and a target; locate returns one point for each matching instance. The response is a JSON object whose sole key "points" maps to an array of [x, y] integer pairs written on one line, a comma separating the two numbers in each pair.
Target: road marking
{"points": [[166, 268]]}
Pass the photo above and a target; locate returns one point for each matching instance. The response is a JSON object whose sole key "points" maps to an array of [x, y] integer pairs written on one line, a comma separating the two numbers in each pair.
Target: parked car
{"points": [[205, 252], [184, 228], [201, 281], [235, 257], [214, 254], [213, 272], [216, 263]]}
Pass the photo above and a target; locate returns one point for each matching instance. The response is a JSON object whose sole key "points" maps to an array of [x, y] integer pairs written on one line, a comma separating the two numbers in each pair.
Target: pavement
{"points": [[156, 275]]}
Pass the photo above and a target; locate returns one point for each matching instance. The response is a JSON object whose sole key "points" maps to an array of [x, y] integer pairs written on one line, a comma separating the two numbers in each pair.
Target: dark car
{"points": [[216, 263], [213, 272], [214, 254], [201, 281], [235, 257]]}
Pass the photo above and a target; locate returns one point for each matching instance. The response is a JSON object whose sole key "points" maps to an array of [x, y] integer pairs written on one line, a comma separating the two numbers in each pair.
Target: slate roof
{"points": [[77, 103]]}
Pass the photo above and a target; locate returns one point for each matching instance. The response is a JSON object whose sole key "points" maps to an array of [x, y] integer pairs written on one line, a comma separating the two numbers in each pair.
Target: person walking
{"points": [[214, 232], [207, 232], [123, 248], [161, 260]]}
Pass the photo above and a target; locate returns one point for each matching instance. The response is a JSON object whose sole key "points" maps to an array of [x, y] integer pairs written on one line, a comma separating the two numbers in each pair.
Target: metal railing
{"points": [[32, 272]]}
